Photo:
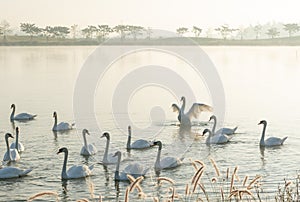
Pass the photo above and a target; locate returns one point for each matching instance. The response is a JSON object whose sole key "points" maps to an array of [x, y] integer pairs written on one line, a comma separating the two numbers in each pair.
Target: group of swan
{"points": [[11, 155], [220, 136]]}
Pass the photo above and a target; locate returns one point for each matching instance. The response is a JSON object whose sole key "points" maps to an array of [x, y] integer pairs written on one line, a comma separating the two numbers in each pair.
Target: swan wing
{"points": [[141, 144], [14, 155], [227, 131], [111, 159], [169, 162], [63, 126], [78, 171], [92, 148], [197, 108], [24, 116], [20, 146], [90, 151], [12, 172], [274, 141]]}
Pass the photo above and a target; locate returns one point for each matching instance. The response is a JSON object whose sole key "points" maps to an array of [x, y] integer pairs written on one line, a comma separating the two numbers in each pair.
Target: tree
{"points": [[121, 29], [273, 32], [30, 29], [257, 30], [90, 31], [225, 31], [291, 28], [197, 31], [103, 31], [149, 32], [182, 30], [4, 29], [74, 30], [48, 31], [241, 32], [135, 30]]}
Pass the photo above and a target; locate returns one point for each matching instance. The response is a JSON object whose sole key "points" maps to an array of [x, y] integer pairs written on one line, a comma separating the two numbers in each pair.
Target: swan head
{"points": [[212, 117], [12, 106], [118, 153], [206, 131], [174, 107], [63, 149], [54, 115], [8, 135], [129, 129], [263, 122], [182, 98], [85, 131], [106, 134], [17, 129], [158, 143]]}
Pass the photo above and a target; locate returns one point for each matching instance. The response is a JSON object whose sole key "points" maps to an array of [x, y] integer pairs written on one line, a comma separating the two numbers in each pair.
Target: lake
{"points": [[258, 83]]}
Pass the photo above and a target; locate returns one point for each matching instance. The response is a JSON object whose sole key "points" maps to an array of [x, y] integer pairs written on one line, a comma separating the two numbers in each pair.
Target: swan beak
{"points": [[102, 136]]}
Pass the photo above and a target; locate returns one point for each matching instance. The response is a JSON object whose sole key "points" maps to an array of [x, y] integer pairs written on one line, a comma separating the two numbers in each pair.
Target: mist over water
{"points": [[259, 83]]}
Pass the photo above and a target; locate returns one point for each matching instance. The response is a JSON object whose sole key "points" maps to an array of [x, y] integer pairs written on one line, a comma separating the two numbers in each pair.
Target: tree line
{"points": [[102, 32]]}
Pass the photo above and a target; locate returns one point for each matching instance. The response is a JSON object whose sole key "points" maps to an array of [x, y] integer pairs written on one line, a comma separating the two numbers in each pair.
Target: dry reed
{"points": [[45, 193], [215, 166]]}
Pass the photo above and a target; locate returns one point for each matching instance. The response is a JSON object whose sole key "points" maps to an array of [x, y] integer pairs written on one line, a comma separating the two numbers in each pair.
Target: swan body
{"points": [[194, 112], [87, 149], [227, 131], [21, 116], [17, 145], [271, 141], [108, 158], [134, 169], [62, 126], [76, 171], [167, 162], [216, 138], [10, 154], [13, 172], [138, 144]]}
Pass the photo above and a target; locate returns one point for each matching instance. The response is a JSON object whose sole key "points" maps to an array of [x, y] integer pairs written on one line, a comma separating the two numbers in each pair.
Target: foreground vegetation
{"points": [[222, 186]]}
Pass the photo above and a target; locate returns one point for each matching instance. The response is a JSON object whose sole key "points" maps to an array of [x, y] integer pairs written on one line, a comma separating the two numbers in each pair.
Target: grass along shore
{"points": [[181, 41]]}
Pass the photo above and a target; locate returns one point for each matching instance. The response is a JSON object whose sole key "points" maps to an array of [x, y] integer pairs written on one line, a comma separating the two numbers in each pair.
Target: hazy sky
{"points": [[161, 14]]}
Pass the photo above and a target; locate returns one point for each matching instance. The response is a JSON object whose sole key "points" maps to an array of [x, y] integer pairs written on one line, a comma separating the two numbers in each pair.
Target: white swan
{"points": [[13, 172], [10, 154], [87, 149], [167, 162], [216, 138], [108, 158], [227, 131], [62, 126], [138, 144], [17, 145], [20, 117], [75, 171], [134, 169], [271, 141], [194, 112]]}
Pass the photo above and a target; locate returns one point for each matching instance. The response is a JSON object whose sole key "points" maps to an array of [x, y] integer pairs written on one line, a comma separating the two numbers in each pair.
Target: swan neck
{"points": [[129, 139], [12, 115], [208, 138], [182, 107], [64, 168], [214, 126], [55, 122], [7, 148], [17, 141], [84, 140], [106, 150], [262, 139], [157, 162]]}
